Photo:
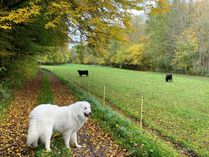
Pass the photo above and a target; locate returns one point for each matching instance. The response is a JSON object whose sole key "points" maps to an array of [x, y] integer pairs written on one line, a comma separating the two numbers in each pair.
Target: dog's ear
{"points": [[80, 104]]}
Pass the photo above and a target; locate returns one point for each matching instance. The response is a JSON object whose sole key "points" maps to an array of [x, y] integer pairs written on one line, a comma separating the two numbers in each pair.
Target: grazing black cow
{"points": [[168, 77], [83, 72]]}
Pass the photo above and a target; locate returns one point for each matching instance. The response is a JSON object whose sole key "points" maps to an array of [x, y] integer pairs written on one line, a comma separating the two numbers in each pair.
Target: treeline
{"points": [[174, 38], [23, 31], [34, 32], [25, 41], [44, 28]]}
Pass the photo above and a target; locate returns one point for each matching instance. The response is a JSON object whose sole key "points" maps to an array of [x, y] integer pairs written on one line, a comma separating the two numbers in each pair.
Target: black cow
{"points": [[168, 77], [83, 72]]}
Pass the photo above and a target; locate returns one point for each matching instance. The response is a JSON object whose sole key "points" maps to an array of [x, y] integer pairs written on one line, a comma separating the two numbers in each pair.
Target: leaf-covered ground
{"points": [[13, 127], [95, 142]]}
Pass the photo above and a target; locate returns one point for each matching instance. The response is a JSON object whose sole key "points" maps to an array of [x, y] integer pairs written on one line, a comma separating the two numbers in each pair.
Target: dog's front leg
{"points": [[67, 136], [74, 138]]}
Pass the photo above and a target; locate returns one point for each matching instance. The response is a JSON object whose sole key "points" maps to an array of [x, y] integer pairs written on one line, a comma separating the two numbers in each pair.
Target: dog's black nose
{"points": [[89, 113]]}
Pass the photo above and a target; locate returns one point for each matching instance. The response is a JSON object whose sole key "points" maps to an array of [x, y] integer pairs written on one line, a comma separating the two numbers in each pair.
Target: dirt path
{"points": [[95, 141], [13, 128]]}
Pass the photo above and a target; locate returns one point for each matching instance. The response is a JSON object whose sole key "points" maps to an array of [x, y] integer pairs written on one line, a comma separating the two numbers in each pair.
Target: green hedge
{"points": [[14, 76]]}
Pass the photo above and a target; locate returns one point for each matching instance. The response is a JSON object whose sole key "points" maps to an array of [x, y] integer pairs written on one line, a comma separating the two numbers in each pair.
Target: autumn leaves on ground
{"points": [[14, 124]]}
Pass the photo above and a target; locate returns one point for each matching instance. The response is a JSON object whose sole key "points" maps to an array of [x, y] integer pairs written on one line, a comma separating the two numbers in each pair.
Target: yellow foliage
{"points": [[5, 26], [134, 54], [97, 22], [21, 15], [5, 53], [187, 48], [162, 8]]}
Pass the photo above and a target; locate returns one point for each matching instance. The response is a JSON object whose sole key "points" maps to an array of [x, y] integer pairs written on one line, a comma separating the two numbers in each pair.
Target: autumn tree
{"points": [[158, 46], [94, 21], [186, 52], [202, 33]]}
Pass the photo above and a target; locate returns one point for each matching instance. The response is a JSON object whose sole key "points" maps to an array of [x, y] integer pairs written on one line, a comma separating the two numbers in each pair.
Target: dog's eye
{"points": [[85, 108]]}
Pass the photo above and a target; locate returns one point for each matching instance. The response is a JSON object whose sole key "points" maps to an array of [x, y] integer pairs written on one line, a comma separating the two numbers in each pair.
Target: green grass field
{"points": [[179, 110]]}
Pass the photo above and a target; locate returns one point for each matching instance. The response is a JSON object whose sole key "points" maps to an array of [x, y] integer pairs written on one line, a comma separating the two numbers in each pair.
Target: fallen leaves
{"points": [[13, 128]]}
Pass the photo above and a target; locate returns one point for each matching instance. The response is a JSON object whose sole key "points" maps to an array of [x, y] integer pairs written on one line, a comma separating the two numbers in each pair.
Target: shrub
{"points": [[3, 72], [199, 71], [21, 70], [4, 93], [13, 76]]}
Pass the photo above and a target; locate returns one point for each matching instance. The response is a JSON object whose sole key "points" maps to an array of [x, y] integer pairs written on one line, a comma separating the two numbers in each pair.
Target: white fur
{"points": [[46, 118]]}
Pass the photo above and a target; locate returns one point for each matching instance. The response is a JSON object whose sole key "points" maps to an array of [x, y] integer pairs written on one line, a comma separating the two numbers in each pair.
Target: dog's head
{"points": [[85, 108]]}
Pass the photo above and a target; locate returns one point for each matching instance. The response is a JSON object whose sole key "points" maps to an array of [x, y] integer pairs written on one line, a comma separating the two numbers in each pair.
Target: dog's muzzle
{"points": [[87, 114]]}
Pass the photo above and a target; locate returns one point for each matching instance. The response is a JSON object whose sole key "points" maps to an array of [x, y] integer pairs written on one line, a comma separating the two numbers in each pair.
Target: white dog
{"points": [[45, 118]]}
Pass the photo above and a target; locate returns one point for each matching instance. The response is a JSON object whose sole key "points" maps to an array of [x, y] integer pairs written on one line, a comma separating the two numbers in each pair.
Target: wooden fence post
{"points": [[141, 112], [104, 94], [89, 88]]}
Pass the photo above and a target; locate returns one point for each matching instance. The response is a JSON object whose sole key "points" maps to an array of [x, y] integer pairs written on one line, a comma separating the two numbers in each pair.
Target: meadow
{"points": [[178, 110]]}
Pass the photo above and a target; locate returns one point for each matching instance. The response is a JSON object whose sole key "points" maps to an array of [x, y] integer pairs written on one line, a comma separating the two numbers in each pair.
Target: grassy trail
{"points": [[95, 142], [13, 127]]}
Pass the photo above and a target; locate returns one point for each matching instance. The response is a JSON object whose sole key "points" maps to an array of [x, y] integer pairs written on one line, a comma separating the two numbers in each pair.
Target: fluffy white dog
{"points": [[45, 118]]}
